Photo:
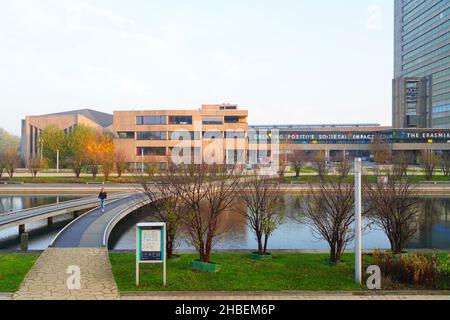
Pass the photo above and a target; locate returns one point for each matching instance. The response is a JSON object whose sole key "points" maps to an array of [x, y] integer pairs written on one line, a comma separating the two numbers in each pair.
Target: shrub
{"points": [[410, 268]]}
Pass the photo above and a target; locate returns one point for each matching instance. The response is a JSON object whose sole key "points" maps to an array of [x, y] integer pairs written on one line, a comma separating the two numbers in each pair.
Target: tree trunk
{"points": [[260, 246], [266, 239]]}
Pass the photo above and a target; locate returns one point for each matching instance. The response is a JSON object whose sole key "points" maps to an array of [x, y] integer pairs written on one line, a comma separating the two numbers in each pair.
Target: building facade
{"points": [[151, 135], [222, 132], [32, 126], [421, 85]]}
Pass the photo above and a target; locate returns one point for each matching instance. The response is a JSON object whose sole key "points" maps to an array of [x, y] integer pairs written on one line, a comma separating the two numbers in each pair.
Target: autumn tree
{"points": [[54, 140], [8, 140], [429, 161], [381, 150], [77, 141], [329, 210], [393, 206], [207, 191], [263, 207]]}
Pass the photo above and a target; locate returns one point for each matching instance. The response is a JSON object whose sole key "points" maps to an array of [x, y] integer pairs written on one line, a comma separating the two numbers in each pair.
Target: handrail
{"points": [[128, 209]]}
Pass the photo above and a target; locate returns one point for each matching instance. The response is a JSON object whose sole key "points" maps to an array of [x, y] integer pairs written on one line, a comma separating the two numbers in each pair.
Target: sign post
{"points": [[358, 170], [150, 246]]}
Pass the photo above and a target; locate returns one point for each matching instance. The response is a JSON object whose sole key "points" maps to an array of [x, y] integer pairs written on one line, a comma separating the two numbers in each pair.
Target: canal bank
{"points": [[432, 188]]}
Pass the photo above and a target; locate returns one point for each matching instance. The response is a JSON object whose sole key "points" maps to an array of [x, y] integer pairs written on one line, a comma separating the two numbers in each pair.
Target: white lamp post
{"points": [[358, 261]]}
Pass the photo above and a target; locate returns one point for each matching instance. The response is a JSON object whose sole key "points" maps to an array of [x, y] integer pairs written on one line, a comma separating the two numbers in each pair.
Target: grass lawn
{"points": [[73, 180], [13, 268], [367, 178], [286, 272]]}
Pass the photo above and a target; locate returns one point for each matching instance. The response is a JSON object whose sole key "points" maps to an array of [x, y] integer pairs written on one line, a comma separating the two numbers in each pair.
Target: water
{"points": [[434, 231], [40, 234]]}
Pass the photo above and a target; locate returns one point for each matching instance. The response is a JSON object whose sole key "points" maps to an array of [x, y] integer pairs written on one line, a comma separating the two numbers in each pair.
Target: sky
{"points": [[287, 61]]}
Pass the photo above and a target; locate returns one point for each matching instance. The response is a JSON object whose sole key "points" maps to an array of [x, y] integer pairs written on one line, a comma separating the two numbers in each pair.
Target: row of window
{"points": [[441, 74], [424, 16], [180, 135], [441, 85], [425, 69], [161, 151], [441, 109], [426, 57], [410, 5], [182, 120], [407, 17], [441, 97], [437, 18], [441, 121], [428, 45]]}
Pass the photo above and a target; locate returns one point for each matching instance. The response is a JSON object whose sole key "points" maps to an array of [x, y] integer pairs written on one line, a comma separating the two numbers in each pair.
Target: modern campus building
{"points": [[421, 85], [149, 136], [32, 126]]}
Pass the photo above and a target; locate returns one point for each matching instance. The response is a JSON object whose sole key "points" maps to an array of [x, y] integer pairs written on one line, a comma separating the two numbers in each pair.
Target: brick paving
{"points": [[47, 279], [275, 296]]}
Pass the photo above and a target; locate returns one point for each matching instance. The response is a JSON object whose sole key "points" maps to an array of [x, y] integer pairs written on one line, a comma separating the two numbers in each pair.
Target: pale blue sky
{"points": [[287, 61]]}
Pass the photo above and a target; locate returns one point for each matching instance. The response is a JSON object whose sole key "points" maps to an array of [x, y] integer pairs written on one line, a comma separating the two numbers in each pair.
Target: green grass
{"points": [[286, 272], [71, 180], [13, 268], [367, 178]]}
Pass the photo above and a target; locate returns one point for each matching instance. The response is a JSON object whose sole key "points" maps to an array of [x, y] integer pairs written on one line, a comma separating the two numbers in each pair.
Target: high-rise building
{"points": [[421, 85]]}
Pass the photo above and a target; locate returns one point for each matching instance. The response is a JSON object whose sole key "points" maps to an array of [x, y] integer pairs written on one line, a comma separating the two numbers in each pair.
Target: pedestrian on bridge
{"points": [[102, 196]]}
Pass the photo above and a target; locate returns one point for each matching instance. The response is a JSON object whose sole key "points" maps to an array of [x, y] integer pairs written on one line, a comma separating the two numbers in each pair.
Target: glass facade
{"points": [[151, 120], [422, 50]]}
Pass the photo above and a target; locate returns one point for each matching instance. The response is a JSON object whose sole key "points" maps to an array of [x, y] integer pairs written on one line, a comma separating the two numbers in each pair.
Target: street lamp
{"points": [[358, 261]]}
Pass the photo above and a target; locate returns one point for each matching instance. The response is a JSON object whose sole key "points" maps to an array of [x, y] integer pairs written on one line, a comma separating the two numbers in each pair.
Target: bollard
{"points": [[24, 241], [21, 229], [49, 221]]}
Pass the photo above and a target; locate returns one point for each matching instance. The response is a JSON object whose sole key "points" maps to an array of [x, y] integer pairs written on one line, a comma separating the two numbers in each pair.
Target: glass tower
{"points": [[421, 86]]}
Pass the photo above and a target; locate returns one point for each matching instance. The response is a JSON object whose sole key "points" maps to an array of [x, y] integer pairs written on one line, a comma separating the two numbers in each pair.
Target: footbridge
{"points": [[92, 229], [22, 217]]}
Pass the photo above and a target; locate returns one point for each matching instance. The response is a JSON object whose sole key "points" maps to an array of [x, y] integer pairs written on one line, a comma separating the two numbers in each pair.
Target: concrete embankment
{"points": [[437, 188]]}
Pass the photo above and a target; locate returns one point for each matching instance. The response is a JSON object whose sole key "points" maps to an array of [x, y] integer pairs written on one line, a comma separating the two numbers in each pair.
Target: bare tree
{"points": [[282, 167], [344, 165], [12, 161], [400, 161], [429, 161], [263, 208], [297, 160], [35, 165], [2, 163], [207, 190], [120, 160], [329, 210], [393, 206], [321, 163], [76, 163], [445, 163], [166, 207]]}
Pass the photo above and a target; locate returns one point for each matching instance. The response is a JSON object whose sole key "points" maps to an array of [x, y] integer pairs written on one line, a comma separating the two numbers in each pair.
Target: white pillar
{"points": [[57, 161], [358, 261]]}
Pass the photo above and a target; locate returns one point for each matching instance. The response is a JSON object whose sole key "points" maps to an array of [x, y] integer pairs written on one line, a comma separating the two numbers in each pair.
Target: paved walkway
{"points": [[47, 279], [275, 296]]}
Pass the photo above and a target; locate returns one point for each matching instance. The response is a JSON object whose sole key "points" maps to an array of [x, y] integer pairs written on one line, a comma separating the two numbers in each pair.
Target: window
{"points": [[149, 120], [126, 135], [235, 134], [231, 119], [151, 135], [180, 119], [212, 120], [179, 135], [151, 151], [212, 135]]}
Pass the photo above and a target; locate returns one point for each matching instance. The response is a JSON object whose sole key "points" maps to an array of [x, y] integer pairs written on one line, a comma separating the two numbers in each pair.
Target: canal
{"points": [[433, 233]]}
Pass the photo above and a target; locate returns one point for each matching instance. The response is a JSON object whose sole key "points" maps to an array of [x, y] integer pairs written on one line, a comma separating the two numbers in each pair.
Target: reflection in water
{"points": [[434, 231], [40, 234]]}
